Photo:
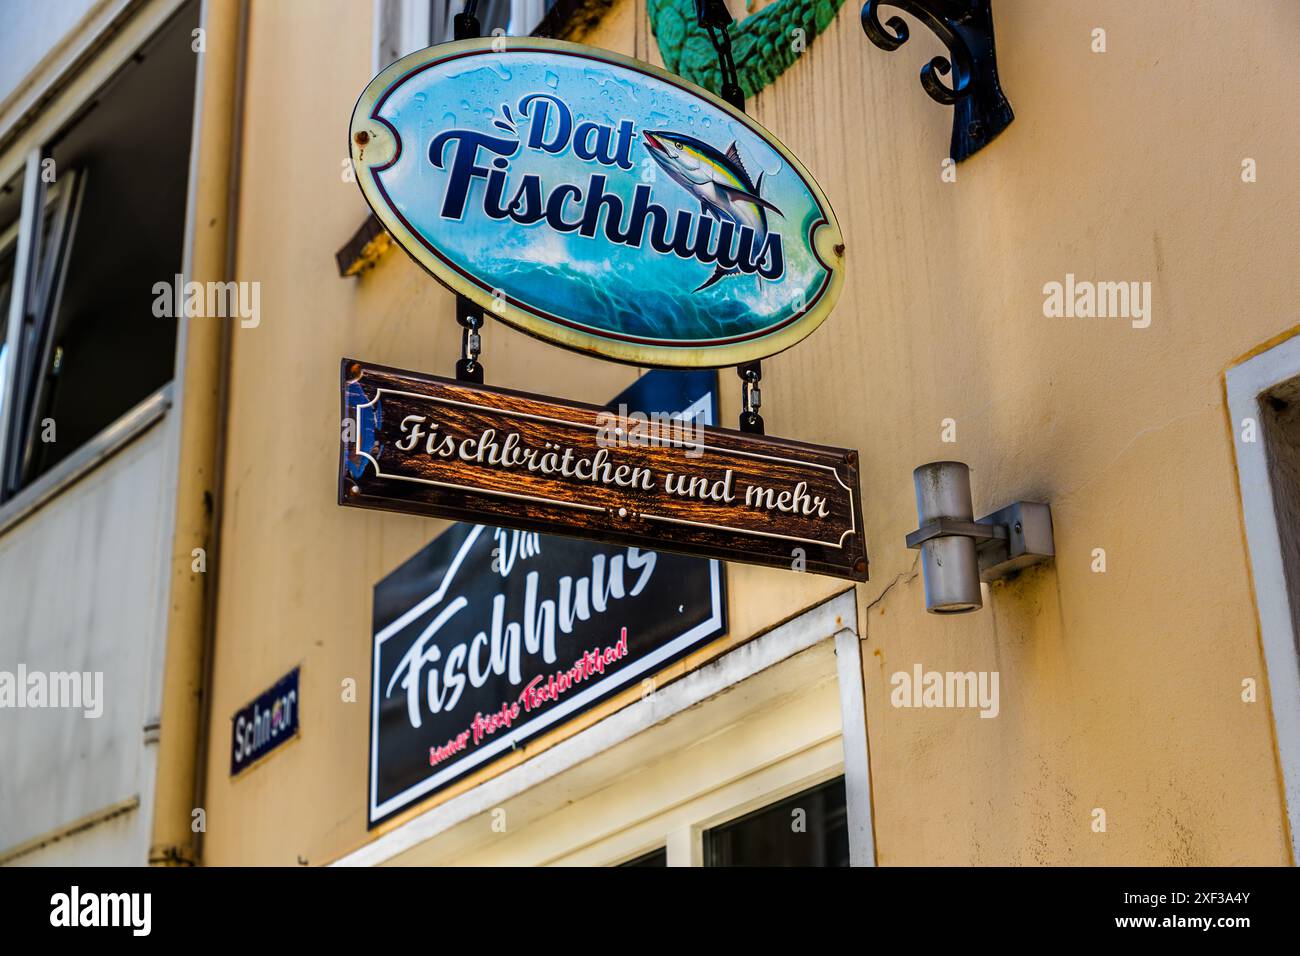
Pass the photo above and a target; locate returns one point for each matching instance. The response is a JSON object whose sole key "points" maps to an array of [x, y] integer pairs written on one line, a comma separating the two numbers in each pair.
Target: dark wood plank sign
{"points": [[422, 444]]}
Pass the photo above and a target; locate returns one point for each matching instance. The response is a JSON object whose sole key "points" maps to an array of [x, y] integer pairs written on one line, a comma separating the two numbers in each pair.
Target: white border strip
{"points": [[857, 759], [1245, 382], [808, 629], [532, 728], [86, 459]]}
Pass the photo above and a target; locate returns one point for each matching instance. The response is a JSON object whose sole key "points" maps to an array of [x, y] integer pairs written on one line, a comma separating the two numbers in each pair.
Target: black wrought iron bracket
{"points": [[980, 108]]}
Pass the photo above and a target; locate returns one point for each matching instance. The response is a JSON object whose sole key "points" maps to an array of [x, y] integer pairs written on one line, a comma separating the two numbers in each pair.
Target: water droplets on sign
{"points": [[523, 171]]}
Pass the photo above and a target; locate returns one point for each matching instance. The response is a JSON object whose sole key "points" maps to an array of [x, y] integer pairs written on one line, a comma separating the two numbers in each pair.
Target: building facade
{"points": [[1136, 700], [116, 145]]}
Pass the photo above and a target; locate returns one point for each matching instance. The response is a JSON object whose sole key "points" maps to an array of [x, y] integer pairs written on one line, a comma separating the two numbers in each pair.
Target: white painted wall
{"points": [[81, 588], [112, 842], [32, 28]]}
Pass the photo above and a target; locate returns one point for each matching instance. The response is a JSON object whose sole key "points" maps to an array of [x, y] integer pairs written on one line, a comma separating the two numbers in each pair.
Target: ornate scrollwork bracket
{"points": [[980, 108]]}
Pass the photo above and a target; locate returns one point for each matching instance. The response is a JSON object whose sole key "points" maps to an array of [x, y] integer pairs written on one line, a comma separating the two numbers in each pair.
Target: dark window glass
{"points": [[808, 829], [657, 857]]}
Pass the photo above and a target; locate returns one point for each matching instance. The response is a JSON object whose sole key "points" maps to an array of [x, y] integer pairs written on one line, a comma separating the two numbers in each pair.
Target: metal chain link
{"points": [[716, 19], [465, 26]]}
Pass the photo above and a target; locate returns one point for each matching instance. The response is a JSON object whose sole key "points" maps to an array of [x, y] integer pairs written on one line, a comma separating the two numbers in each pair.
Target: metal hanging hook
{"points": [[469, 368], [716, 19], [465, 26], [751, 397]]}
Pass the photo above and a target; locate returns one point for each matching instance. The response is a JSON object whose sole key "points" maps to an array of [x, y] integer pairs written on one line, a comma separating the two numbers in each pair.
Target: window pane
{"points": [[390, 33], [113, 229], [10, 210], [657, 857], [526, 14], [809, 829], [494, 15], [6, 295]]}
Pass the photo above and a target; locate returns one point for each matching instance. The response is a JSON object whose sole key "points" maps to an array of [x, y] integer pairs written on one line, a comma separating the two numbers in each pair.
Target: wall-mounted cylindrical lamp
{"points": [[958, 552], [949, 563]]}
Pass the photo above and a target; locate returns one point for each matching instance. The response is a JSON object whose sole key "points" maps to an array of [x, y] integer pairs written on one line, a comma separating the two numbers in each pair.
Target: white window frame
{"points": [[412, 26], [82, 64], [28, 218], [1245, 383], [770, 786], [685, 846], [835, 618], [68, 191]]}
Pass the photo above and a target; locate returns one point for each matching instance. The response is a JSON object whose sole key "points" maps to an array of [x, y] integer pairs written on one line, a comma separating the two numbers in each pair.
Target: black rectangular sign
{"points": [[488, 636], [264, 724]]}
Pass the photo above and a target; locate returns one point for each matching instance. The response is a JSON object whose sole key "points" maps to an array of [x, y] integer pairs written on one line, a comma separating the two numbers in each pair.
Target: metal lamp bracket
{"points": [[1008, 540], [981, 110]]}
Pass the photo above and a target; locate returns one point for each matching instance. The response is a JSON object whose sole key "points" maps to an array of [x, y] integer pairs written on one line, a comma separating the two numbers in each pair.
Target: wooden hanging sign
{"points": [[421, 444]]}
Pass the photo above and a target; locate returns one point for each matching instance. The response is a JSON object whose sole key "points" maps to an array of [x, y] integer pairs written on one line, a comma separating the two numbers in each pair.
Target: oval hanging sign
{"points": [[597, 202]]}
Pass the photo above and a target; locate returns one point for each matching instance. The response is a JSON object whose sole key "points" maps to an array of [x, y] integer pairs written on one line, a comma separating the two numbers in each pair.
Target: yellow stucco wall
{"points": [[1119, 690]]}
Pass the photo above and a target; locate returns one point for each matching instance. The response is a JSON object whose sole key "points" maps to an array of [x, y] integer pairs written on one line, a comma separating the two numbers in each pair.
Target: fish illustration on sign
{"points": [[719, 181], [545, 212]]}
